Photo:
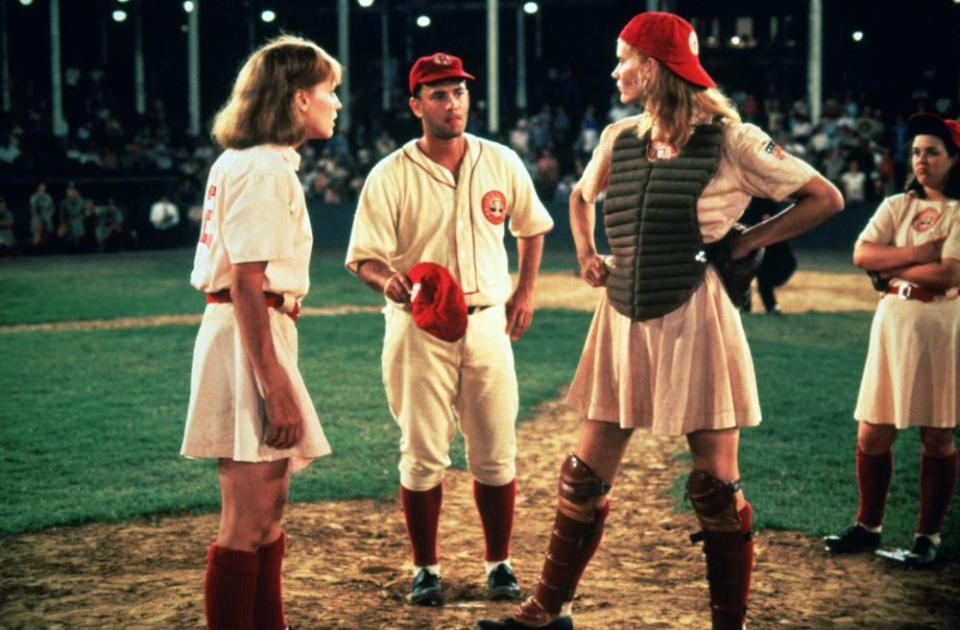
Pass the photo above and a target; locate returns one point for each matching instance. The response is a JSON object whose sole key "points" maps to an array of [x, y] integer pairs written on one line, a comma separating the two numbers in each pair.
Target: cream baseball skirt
{"points": [[687, 371], [225, 417], [912, 372]]}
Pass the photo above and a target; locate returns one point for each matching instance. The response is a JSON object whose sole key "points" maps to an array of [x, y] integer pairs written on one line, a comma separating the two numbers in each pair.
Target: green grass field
{"points": [[92, 420]]}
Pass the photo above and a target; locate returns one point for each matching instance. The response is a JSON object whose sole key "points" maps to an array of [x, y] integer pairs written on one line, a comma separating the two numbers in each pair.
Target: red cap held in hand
{"points": [[435, 67], [438, 305], [671, 40]]}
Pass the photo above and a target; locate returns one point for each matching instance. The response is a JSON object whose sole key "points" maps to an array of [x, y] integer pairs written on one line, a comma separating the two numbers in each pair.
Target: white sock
{"points": [[872, 530], [490, 566], [934, 538], [432, 568], [566, 609]]}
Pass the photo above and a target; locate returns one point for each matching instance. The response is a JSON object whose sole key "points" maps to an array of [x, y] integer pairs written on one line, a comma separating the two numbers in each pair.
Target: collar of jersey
{"points": [[412, 151]]}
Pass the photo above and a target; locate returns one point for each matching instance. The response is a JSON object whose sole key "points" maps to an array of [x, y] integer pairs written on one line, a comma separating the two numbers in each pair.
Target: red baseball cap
{"points": [[671, 40], [435, 67], [932, 125], [439, 307]]}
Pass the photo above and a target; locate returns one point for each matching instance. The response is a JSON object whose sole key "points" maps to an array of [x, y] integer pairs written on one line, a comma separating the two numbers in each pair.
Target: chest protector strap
{"points": [[650, 219]]}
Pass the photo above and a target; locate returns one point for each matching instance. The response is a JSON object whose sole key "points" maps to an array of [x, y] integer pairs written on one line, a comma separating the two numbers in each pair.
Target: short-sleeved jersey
{"points": [[905, 220], [413, 210], [41, 201], [751, 165], [254, 211]]}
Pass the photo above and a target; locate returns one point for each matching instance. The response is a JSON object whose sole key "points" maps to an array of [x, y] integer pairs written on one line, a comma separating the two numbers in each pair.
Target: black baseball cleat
{"points": [[502, 584], [509, 623], [427, 590], [854, 539], [922, 556]]}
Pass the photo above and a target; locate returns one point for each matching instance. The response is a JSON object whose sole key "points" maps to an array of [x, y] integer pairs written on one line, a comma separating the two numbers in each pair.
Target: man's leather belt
{"points": [[906, 291], [476, 309], [274, 300]]}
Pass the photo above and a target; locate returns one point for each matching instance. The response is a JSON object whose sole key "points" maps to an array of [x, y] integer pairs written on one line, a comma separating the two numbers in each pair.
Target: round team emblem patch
{"points": [[694, 44], [442, 60], [494, 205], [925, 219]]}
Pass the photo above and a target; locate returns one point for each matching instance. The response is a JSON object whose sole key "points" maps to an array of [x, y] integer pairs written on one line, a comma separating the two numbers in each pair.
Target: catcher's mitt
{"points": [[735, 274], [879, 283]]}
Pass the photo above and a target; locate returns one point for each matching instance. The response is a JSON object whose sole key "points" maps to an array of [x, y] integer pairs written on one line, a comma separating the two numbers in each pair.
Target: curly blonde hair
{"points": [[261, 107]]}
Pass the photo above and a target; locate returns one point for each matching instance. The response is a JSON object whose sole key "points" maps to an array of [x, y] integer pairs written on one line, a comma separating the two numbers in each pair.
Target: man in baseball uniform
{"points": [[445, 198]]}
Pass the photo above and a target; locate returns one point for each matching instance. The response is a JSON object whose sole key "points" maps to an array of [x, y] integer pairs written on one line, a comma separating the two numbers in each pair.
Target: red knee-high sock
{"points": [[421, 511], [230, 588], [873, 482], [938, 479], [268, 611], [495, 504]]}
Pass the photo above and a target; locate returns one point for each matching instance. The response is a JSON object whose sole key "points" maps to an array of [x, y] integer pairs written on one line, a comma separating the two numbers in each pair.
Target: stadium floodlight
{"points": [[530, 7], [123, 1], [26, 3], [119, 15], [423, 21], [735, 40], [188, 6], [857, 36], [268, 16], [366, 4]]}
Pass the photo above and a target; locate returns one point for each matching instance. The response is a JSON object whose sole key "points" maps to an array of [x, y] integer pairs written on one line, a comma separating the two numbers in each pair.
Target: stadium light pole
{"points": [[193, 69], [343, 45], [521, 59], [57, 120], [6, 60], [386, 74], [815, 61], [139, 82], [493, 66]]}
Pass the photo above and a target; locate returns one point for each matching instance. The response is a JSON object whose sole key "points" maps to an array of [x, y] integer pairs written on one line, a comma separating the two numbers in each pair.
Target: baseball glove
{"points": [[735, 274], [880, 283]]}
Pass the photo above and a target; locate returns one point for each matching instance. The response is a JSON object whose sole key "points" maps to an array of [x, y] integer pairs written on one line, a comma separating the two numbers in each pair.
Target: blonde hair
{"points": [[261, 108], [674, 104]]}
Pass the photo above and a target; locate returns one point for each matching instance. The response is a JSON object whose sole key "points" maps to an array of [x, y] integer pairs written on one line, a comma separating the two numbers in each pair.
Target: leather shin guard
{"points": [[576, 534], [938, 480], [727, 544], [874, 473]]}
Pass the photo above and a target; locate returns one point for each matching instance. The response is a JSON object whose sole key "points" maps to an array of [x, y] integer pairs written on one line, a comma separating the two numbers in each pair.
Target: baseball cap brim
{"points": [[691, 72], [441, 75], [928, 124]]}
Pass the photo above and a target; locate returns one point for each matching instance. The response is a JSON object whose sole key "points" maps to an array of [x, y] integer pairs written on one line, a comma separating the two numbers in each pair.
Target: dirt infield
{"points": [[347, 565]]}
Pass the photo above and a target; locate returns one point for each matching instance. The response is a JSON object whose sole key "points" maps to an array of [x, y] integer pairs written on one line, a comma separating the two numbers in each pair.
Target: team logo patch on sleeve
{"points": [[925, 219], [774, 149], [494, 205]]}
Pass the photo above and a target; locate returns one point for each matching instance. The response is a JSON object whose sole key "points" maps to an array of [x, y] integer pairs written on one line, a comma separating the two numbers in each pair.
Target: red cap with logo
{"points": [[671, 40], [932, 125], [439, 306], [435, 67]]}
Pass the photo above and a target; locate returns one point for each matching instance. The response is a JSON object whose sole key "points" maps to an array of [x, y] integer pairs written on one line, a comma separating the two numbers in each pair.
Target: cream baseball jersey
{"points": [[412, 210], [906, 219], [254, 210], [751, 165]]}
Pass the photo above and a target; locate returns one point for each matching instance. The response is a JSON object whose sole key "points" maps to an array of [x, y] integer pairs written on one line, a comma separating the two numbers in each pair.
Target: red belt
{"points": [[916, 292], [274, 300]]}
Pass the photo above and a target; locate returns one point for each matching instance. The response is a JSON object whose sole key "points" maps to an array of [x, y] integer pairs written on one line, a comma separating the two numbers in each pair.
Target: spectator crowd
{"points": [[859, 146]]}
